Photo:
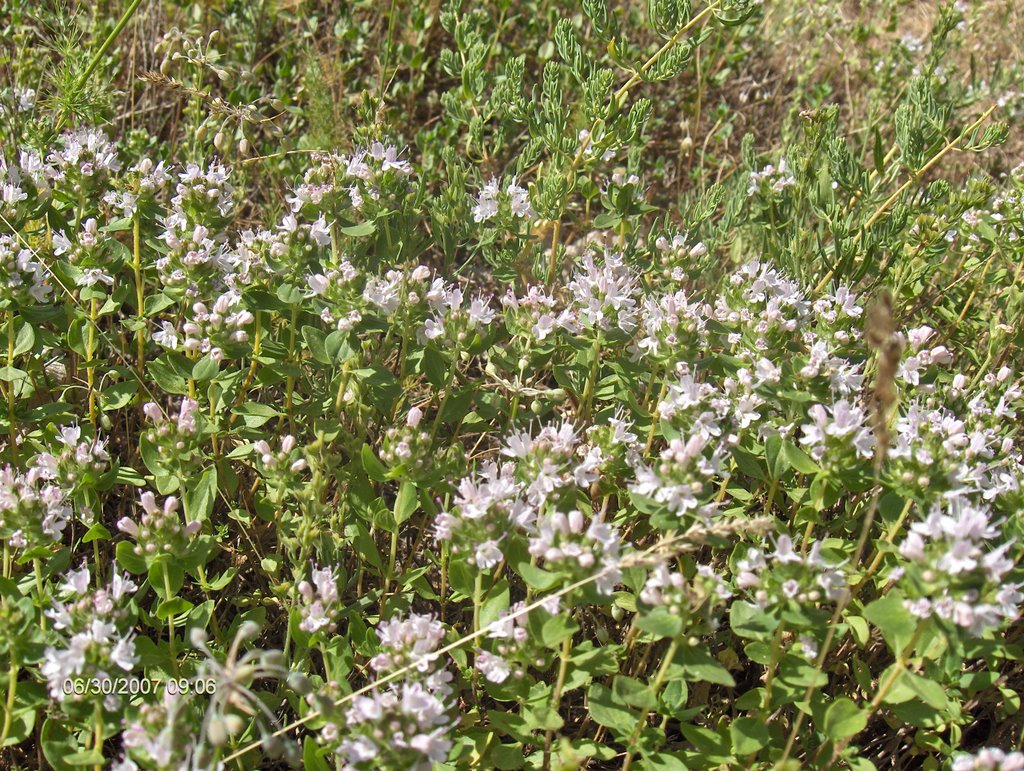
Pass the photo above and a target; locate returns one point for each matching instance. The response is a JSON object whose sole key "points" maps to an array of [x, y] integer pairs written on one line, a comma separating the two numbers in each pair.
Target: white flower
{"points": [[488, 555], [494, 668], [487, 204]]}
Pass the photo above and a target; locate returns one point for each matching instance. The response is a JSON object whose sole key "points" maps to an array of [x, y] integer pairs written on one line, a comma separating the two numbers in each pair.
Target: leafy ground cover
{"points": [[517, 385]]}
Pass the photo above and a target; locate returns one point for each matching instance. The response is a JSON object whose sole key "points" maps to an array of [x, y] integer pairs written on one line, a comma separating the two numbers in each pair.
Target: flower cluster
{"points": [[569, 543], [513, 648], [681, 480], [23, 280], [771, 179], [77, 463], [603, 294], [96, 642], [408, 445], [989, 759], [407, 724], [954, 573], [786, 575], [173, 439], [321, 604], [838, 433], [159, 532], [454, 323], [490, 200], [488, 508], [33, 510]]}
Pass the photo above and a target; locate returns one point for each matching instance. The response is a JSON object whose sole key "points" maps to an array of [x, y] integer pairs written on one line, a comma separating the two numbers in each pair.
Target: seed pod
{"points": [[299, 683], [233, 724], [217, 732]]}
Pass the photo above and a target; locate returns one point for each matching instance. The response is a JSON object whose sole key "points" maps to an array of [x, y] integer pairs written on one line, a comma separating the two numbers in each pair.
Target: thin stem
{"points": [[447, 393], [556, 695], [140, 301], [98, 733], [94, 62], [37, 569], [12, 680], [655, 686], [588, 389], [889, 538], [392, 559], [553, 259], [661, 51], [884, 688], [10, 391], [654, 416], [290, 388], [90, 371], [170, 623]]}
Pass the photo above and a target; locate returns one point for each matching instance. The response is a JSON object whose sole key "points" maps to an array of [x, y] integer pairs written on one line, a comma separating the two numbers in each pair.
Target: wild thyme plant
{"points": [[523, 385]]}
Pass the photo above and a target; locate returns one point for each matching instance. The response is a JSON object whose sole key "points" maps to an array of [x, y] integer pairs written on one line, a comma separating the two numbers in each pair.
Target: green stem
{"points": [[140, 302], [98, 734], [90, 371], [12, 680], [556, 695], [447, 392], [654, 415], [10, 390], [885, 687], [588, 389], [94, 62], [392, 558], [342, 387], [37, 568], [291, 362], [170, 624], [655, 686]]}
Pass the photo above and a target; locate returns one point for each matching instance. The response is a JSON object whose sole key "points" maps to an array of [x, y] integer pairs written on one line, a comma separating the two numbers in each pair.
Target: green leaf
{"points": [[205, 369], [908, 686], [557, 629], [173, 607], [750, 621], [706, 741], [12, 374], [609, 712], [200, 495], [118, 395], [374, 469], [535, 577], [893, 620], [313, 756], [290, 295], [406, 502], [85, 758], [126, 557], [315, 342], [660, 622], [631, 691], [255, 414], [859, 629], [748, 734], [843, 719], [774, 457], [798, 459], [360, 230], [126, 475], [698, 664], [96, 533]]}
